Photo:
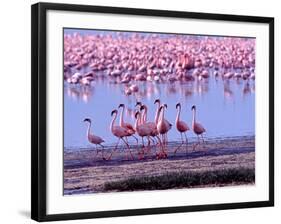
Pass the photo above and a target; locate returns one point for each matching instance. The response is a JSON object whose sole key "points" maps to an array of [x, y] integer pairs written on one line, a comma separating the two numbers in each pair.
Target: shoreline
{"points": [[85, 173]]}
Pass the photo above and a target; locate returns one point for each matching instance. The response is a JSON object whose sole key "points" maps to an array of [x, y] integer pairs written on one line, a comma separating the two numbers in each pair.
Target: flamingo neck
{"points": [[193, 117], [112, 122], [144, 117], [121, 117], [162, 115], [157, 114], [137, 122], [178, 114], [88, 129]]}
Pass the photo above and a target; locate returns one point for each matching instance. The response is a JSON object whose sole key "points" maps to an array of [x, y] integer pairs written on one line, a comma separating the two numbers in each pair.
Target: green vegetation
{"points": [[184, 180]]}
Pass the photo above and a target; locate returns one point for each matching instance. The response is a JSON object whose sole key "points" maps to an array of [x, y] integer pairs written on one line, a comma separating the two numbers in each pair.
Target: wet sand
{"points": [[86, 172]]}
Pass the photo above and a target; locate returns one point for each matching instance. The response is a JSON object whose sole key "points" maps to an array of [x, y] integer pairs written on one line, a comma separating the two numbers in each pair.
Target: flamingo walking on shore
{"points": [[197, 128], [129, 127], [153, 127], [143, 130], [96, 140], [167, 123], [119, 132], [162, 127], [182, 127]]}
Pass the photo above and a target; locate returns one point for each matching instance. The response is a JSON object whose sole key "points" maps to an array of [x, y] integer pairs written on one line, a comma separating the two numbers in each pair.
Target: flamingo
{"points": [[143, 130], [181, 126], [151, 125], [139, 104], [119, 132], [129, 127], [167, 123], [96, 140], [161, 125], [197, 128]]}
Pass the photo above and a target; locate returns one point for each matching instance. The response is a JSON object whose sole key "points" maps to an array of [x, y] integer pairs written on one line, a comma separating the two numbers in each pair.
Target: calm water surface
{"points": [[226, 108]]}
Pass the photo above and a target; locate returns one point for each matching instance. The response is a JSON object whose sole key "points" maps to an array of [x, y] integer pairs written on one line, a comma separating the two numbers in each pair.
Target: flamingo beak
{"points": [[121, 105], [142, 107], [193, 107], [178, 104]]}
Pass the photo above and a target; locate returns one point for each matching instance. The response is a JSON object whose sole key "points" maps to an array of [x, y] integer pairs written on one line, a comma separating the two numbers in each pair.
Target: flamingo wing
{"points": [[182, 126], [198, 128], [129, 128], [144, 130], [95, 139], [120, 132]]}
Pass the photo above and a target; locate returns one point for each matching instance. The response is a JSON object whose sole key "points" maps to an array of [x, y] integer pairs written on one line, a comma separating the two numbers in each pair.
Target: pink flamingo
{"points": [[181, 126], [143, 130], [197, 128], [161, 126], [118, 132], [96, 140], [167, 123], [151, 125], [129, 127]]}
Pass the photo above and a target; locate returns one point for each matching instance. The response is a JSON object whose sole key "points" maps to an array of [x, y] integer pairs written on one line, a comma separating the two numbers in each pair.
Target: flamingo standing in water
{"points": [[182, 127], [119, 132], [96, 140], [197, 128], [129, 127]]}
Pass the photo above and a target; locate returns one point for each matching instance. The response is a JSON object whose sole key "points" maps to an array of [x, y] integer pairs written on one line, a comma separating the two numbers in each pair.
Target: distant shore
{"points": [[226, 162]]}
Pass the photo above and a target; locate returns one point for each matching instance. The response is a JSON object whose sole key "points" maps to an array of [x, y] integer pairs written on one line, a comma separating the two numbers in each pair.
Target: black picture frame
{"points": [[38, 108]]}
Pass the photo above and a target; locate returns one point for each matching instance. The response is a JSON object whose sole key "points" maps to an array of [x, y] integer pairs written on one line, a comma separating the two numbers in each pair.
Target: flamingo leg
{"points": [[148, 141], [155, 142], [128, 147], [186, 140], [179, 145], [203, 140], [102, 152], [152, 139], [141, 152], [96, 151], [113, 150], [163, 148], [136, 139], [142, 142], [160, 144], [198, 142], [166, 138]]}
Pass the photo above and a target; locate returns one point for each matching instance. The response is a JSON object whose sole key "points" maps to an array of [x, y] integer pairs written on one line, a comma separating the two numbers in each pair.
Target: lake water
{"points": [[226, 108]]}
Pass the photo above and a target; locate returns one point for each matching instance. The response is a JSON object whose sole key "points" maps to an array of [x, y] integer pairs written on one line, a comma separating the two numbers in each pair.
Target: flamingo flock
{"points": [[154, 133], [130, 59]]}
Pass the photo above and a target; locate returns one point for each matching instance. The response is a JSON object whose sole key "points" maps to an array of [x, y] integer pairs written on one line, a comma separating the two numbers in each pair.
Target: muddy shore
{"points": [[86, 172]]}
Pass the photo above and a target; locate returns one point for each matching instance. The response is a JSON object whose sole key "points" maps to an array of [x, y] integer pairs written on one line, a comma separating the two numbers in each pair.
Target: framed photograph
{"points": [[140, 111]]}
